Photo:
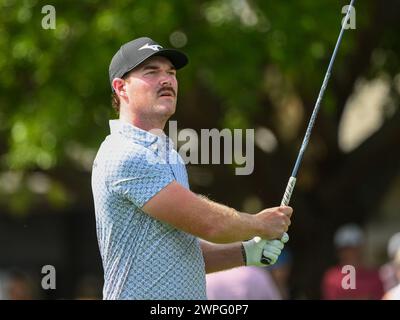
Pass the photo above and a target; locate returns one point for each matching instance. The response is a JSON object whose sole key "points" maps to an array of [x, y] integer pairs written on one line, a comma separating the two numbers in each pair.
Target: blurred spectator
{"points": [[388, 271], [19, 286], [89, 288], [349, 242], [394, 293], [280, 272], [242, 283]]}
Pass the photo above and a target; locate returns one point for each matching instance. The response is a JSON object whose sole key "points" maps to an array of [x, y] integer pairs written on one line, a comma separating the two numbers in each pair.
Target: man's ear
{"points": [[118, 85]]}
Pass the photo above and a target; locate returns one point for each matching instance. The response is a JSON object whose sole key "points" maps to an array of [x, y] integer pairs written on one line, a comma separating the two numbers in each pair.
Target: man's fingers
{"points": [[276, 243], [284, 239], [285, 228], [271, 256], [285, 219], [272, 249], [286, 210], [259, 242]]}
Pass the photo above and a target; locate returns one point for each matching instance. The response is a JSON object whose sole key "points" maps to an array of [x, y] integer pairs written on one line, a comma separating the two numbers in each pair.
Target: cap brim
{"points": [[177, 58]]}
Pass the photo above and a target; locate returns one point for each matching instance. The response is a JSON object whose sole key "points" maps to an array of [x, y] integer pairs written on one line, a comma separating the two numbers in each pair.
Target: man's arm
{"points": [[219, 257], [214, 222]]}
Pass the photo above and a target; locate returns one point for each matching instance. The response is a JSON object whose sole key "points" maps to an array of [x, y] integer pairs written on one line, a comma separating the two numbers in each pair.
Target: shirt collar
{"points": [[136, 134]]}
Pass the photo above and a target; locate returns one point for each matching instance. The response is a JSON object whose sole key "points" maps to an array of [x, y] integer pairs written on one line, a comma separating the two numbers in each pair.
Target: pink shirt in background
{"points": [[243, 283], [368, 285]]}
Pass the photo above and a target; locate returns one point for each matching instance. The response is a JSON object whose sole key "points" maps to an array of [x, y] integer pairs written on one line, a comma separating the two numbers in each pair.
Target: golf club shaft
{"points": [[292, 180]]}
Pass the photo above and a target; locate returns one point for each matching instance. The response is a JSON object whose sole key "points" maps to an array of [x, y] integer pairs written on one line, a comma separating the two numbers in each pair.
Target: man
{"points": [[387, 272], [394, 293], [349, 241], [157, 239]]}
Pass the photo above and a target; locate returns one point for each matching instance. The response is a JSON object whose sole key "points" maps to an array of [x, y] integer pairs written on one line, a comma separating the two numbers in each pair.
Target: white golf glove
{"points": [[261, 252]]}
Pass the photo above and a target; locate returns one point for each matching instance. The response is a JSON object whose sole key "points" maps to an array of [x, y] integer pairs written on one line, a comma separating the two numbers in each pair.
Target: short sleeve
{"points": [[139, 176]]}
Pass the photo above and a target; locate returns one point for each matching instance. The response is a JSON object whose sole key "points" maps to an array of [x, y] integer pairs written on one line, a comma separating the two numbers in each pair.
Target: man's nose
{"points": [[166, 79], [165, 82]]}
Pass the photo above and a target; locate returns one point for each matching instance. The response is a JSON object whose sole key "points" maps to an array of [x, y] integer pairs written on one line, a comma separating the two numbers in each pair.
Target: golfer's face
{"points": [[152, 87]]}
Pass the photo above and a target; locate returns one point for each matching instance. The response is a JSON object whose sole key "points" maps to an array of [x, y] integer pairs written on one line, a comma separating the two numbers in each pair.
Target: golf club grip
{"points": [[285, 201], [288, 192]]}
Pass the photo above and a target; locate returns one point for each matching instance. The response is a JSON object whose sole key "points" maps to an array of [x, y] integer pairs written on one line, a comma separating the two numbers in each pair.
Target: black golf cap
{"points": [[134, 52]]}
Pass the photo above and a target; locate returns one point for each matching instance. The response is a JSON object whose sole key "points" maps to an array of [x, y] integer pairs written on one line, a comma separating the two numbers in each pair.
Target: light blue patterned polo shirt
{"points": [[143, 258]]}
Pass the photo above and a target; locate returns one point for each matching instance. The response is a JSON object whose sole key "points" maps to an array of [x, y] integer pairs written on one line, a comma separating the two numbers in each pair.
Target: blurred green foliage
{"points": [[54, 88]]}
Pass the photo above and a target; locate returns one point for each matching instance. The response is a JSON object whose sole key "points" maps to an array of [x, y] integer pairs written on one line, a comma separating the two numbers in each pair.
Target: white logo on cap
{"points": [[154, 47]]}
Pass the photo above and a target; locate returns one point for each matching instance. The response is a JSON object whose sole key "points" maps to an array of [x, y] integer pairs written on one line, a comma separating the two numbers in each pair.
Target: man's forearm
{"points": [[214, 222], [219, 257], [201, 217], [228, 224]]}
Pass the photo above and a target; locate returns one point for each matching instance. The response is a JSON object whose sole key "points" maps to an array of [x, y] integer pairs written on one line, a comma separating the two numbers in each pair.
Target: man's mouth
{"points": [[166, 93]]}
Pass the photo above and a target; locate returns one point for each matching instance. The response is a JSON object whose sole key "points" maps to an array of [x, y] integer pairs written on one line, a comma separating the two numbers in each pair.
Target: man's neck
{"points": [[147, 124]]}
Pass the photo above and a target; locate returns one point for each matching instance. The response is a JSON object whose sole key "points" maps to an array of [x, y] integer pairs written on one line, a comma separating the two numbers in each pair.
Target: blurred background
{"points": [[253, 64]]}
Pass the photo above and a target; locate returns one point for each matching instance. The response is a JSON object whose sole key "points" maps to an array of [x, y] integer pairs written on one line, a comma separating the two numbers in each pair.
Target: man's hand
{"points": [[273, 222], [257, 247]]}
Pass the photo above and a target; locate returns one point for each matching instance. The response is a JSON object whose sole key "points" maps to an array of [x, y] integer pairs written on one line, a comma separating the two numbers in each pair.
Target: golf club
{"points": [[292, 180]]}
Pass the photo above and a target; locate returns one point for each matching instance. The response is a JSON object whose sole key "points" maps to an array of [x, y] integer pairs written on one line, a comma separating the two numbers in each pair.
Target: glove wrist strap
{"points": [[243, 253]]}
